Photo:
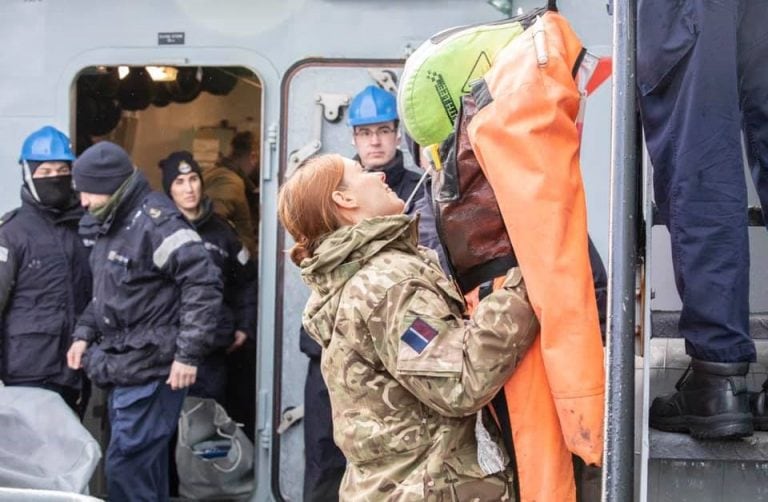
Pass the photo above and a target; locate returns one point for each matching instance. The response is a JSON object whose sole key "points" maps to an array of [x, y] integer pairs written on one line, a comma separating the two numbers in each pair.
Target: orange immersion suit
{"points": [[526, 139]]}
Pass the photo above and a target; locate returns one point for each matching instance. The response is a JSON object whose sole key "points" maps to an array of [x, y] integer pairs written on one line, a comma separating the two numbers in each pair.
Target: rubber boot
{"points": [[711, 402]]}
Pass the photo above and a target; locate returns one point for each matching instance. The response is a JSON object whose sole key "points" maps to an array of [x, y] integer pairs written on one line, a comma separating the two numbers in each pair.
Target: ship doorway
{"points": [[214, 112]]}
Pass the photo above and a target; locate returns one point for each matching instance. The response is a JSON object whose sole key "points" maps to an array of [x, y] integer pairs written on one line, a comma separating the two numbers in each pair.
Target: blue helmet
{"points": [[372, 106], [46, 144]]}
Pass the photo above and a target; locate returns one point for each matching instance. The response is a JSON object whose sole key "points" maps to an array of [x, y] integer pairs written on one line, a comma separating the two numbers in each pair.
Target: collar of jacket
{"points": [[72, 213], [394, 170], [350, 247], [206, 210], [343, 253]]}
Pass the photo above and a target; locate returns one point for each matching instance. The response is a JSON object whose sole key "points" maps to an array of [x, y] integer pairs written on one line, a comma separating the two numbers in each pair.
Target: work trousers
{"points": [[324, 463], [702, 75], [142, 418]]}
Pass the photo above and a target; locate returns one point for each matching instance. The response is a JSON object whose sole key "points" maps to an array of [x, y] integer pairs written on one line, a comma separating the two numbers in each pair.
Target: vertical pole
{"points": [[618, 472]]}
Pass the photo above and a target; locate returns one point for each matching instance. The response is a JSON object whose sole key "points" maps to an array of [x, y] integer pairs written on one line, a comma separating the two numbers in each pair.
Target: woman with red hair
{"points": [[406, 374]]}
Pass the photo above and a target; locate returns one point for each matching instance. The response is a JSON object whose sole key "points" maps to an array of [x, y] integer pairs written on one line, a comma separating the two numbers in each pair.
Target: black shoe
{"points": [[758, 403], [711, 402]]}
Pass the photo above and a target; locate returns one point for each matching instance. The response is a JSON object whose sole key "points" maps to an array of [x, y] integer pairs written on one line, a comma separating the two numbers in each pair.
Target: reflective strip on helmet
{"points": [[27, 174], [172, 243]]}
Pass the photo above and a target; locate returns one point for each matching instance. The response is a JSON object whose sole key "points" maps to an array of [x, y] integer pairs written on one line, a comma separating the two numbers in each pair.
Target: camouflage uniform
{"points": [[403, 408]]}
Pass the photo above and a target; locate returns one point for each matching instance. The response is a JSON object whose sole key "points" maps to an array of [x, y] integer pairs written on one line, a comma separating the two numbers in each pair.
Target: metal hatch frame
{"points": [[283, 167], [266, 72]]}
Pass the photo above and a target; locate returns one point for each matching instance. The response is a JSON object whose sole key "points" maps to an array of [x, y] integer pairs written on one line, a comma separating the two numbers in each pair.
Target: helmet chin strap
{"points": [[27, 173]]}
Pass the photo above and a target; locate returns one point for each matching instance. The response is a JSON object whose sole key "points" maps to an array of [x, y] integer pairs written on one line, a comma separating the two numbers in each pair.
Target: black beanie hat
{"points": [[102, 168], [177, 163]]}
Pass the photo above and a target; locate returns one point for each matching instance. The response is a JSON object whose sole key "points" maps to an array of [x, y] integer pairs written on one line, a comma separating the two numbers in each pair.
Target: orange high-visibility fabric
{"points": [[527, 143]]}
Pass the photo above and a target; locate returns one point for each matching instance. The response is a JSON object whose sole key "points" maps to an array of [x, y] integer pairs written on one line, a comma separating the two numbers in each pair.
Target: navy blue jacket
{"points": [[45, 283], [239, 273], [402, 181], [156, 293]]}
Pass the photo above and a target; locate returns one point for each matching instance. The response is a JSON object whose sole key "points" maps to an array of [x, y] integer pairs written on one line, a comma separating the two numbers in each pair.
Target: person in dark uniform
{"points": [[702, 90], [45, 278], [324, 464], [376, 135], [151, 320], [182, 181]]}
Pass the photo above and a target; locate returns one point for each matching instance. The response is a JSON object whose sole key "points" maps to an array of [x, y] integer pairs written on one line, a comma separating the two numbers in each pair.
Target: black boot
{"points": [[758, 402], [711, 402]]}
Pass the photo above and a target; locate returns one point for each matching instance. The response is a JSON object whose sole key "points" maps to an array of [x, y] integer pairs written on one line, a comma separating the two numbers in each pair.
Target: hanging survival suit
{"points": [[510, 192]]}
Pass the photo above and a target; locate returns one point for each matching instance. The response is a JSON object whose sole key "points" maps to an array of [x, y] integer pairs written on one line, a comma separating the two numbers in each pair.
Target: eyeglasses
{"points": [[368, 134]]}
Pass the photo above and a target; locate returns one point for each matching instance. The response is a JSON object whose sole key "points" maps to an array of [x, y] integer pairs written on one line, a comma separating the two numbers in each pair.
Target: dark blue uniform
{"points": [[702, 80], [45, 283], [156, 299], [239, 305], [402, 181], [324, 463]]}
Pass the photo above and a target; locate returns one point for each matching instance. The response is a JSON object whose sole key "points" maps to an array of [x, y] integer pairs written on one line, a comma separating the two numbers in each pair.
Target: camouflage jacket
{"points": [[405, 372]]}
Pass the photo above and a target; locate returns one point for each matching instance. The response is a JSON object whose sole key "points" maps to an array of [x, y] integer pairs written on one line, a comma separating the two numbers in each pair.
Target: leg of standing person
{"points": [[324, 464], [240, 398], [142, 420], [753, 89], [687, 75]]}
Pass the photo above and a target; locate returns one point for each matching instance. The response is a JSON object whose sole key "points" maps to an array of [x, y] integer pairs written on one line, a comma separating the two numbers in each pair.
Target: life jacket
{"points": [[468, 219], [517, 138]]}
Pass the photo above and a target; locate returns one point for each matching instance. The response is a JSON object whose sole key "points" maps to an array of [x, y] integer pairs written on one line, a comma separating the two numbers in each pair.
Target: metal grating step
{"points": [[664, 324]]}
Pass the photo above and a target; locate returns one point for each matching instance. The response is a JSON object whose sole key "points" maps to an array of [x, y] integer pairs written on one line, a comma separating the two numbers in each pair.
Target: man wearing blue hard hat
{"points": [[374, 121], [45, 278]]}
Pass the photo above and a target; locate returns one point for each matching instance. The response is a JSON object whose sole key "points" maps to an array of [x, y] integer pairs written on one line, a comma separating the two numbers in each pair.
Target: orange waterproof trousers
{"points": [[527, 143]]}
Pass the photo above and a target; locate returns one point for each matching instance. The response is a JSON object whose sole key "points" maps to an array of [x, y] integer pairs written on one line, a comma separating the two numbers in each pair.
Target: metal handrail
{"points": [[618, 471]]}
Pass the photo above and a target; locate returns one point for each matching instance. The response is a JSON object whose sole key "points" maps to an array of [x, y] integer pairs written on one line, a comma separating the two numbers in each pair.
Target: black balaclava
{"points": [[54, 191]]}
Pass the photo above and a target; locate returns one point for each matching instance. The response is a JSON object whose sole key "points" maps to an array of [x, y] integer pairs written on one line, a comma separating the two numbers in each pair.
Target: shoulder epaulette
{"points": [[157, 210]]}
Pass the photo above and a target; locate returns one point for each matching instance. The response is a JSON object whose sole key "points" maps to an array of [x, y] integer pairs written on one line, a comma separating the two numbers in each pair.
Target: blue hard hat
{"points": [[372, 106], [46, 144]]}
